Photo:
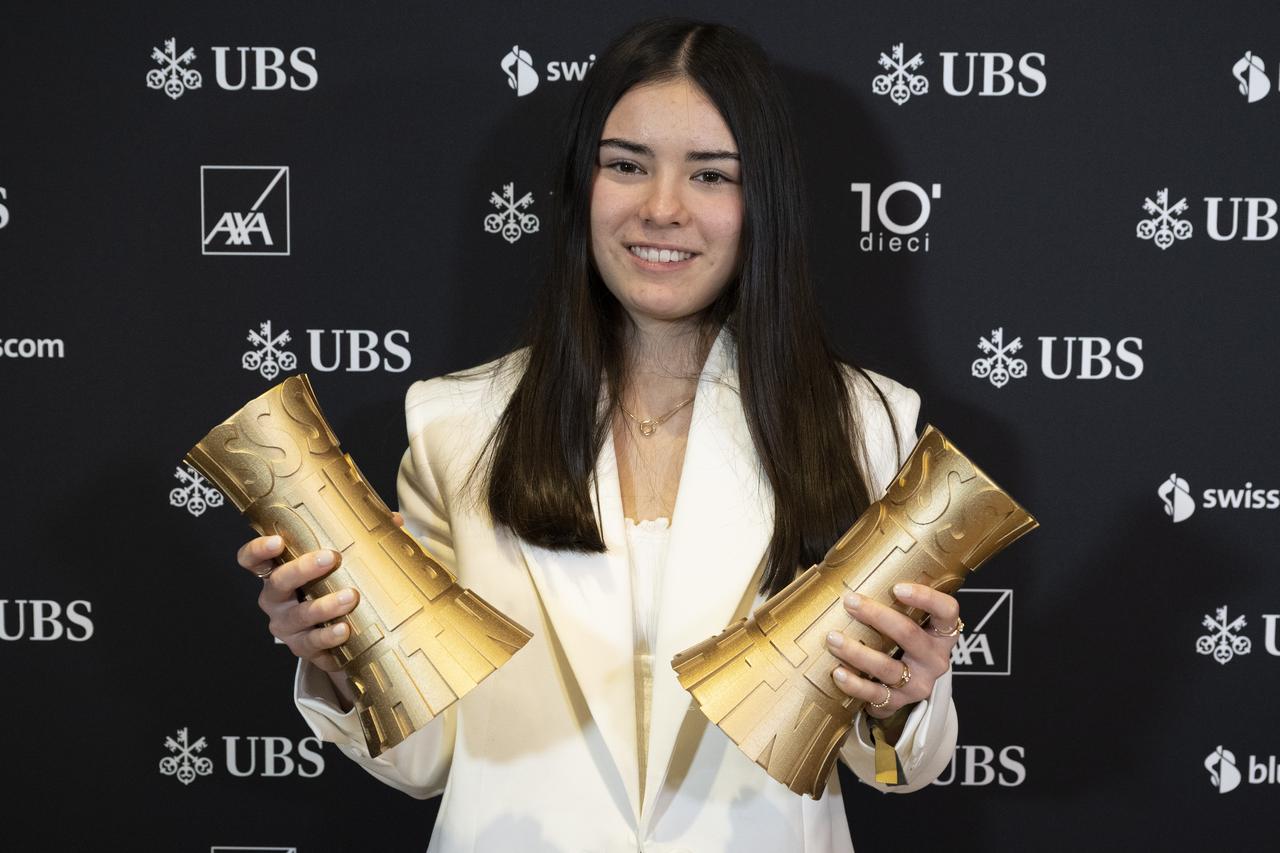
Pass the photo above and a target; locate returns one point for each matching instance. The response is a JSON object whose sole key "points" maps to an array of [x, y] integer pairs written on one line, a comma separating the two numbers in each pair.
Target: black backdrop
{"points": [[388, 129]]}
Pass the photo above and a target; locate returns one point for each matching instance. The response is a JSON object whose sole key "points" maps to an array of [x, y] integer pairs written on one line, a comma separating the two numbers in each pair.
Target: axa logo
{"points": [[977, 766], [244, 210], [986, 646], [901, 220], [45, 620], [1251, 77], [1179, 502], [1253, 218], [522, 75], [1065, 357], [262, 69], [1225, 775], [188, 758], [986, 73], [330, 350]]}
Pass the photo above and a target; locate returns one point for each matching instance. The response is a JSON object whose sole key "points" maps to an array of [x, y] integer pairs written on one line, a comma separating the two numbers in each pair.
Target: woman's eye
{"points": [[624, 167], [714, 178]]}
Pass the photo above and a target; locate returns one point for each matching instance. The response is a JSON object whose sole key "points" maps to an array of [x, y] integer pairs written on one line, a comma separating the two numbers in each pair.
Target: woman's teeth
{"points": [[661, 256]]}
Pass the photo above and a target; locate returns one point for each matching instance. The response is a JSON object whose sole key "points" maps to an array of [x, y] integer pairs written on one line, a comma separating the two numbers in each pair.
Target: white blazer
{"points": [[541, 757]]}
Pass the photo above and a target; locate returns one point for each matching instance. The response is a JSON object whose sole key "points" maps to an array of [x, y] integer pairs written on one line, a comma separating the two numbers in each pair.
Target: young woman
{"points": [[676, 441]]}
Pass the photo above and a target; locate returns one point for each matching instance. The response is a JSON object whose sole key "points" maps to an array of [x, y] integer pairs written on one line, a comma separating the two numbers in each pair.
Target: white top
{"points": [[647, 543]]}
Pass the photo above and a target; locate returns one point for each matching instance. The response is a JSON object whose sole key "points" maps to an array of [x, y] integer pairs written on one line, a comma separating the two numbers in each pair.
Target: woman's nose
{"points": [[664, 203]]}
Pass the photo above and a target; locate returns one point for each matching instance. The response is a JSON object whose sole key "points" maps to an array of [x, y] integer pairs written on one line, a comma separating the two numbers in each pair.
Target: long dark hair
{"points": [[794, 389]]}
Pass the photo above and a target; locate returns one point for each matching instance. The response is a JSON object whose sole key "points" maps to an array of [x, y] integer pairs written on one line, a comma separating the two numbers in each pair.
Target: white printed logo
{"points": [[1176, 494], [4, 210], [222, 848], [978, 765], [901, 82], [1164, 225], [905, 237], [195, 493], [248, 207], [1250, 72], [185, 763], [999, 365], [511, 221], [172, 76], [1221, 764], [986, 648], [1224, 643], [268, 356], [521, 75]]}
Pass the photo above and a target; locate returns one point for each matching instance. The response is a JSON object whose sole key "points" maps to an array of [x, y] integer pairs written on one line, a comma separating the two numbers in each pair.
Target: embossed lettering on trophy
{"points": [[418, 641], [766, 680]]}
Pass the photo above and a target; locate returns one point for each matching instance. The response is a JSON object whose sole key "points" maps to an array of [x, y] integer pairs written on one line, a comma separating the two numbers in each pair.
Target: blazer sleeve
{"points": [[928, 739], [419, 765]]}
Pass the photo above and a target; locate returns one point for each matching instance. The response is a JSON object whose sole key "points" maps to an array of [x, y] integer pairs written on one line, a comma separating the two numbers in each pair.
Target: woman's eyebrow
{"points": [[646, 151]]}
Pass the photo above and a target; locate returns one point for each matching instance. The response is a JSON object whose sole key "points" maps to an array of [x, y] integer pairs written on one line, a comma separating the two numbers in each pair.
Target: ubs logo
{"points": [[244, 210]]}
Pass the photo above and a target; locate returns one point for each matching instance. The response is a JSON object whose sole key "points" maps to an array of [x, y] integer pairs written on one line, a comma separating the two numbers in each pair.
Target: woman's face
{"points": [[666, 202]]}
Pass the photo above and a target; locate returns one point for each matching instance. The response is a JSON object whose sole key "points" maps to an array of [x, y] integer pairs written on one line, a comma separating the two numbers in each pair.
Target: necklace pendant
{"points": [[648, 427]]}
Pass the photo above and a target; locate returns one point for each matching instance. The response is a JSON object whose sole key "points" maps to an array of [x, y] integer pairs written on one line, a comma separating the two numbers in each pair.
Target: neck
{"points": [[664, 360]]}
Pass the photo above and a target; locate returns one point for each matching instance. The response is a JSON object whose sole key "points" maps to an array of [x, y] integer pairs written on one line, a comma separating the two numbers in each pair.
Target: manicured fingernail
{"points": [[339, 630], [274, 542], [853, 601], [324, 558], [840, 675], [346, 596], [902, 590], [835, 639]]}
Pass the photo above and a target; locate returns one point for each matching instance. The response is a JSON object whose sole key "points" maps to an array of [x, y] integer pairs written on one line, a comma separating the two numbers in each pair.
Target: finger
{"points": [[312, 643], [326, 661], [283, 583], [868, 691], [891, 624], [309, 614], [256, 554], [864, 659], [398, 519], [943, 609]]}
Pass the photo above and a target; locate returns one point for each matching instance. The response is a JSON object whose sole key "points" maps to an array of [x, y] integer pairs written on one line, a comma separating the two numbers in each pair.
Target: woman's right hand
{"points": [[297, 623]]}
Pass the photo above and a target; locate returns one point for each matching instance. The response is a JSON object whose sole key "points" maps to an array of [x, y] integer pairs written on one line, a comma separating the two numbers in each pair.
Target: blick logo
{"points": [[1221, 764]]}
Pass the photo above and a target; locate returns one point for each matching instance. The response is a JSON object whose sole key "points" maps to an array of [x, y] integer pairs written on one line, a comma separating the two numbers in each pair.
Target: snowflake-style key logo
{"points": [[999, 365], [268, 357], [1225, 641], [195, 493], [1164, 226], [185, 763], [900, 83], [510, 220], [172, 77]]}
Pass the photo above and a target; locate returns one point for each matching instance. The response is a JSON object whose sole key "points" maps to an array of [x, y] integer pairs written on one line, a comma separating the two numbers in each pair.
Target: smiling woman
{"points": [[674, 443]]}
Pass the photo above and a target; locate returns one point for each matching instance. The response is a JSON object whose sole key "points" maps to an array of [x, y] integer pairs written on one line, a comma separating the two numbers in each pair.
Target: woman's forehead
{"points": [[673, 113]]}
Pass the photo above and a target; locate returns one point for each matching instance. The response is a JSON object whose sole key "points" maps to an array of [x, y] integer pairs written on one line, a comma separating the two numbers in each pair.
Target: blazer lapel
{"points": [[720, 530], [588, 600]]}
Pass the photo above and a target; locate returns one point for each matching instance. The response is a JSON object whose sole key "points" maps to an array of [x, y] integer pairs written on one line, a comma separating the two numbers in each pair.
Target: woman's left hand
{"points": [[926, 651]]}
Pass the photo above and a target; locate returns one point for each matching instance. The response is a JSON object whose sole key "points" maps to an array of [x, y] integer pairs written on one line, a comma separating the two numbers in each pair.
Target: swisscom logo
{"points": [[1179, 502], [1225, 775]]}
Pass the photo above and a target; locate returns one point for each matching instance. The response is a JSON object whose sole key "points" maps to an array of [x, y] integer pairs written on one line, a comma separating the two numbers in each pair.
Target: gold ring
{"points": [[906, 676], [888, 694], [955, 629]]}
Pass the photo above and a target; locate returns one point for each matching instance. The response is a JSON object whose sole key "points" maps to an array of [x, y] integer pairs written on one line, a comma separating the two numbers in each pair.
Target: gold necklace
{"points": [[649, 426]]}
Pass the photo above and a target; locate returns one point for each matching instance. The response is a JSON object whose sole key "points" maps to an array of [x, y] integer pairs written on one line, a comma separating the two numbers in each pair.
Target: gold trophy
{"points": [[418, 642], [766, 681]]}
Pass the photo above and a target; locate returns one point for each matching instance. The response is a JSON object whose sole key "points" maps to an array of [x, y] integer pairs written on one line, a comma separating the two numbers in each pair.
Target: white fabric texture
{"points": [[543, 756]]}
